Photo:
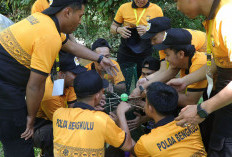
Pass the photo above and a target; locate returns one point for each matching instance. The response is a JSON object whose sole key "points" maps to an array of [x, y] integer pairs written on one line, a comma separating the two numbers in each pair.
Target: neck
{"points": [[205, 7], [185, 62], [60, 20], [87, 101], [157, 117]]}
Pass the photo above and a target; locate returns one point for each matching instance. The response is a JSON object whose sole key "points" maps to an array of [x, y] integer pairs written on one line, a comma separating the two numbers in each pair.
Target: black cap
{"points": [[100, 42], [88, 83], [153, 63], [155, 26], [57, 5], [69, 62], [175, 37]]}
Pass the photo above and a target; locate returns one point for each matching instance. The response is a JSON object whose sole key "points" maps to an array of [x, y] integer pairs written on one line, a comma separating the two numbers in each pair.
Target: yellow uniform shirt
{"points": [[197, 61], [34, 42], [221, 34], [84, 131], [126, 16], [114, 79], [39, 6], [198, 40], [51, 103], [169, 140]]}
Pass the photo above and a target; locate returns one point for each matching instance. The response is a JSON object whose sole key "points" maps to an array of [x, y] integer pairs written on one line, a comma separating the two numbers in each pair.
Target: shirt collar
{"points": [[164, 121], [54, 18], [83, 106], [213, 9], [135, 6]]}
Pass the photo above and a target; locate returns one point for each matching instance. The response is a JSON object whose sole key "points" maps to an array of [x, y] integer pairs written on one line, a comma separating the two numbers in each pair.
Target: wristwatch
{"points": [[201, 112], [141, 89], [100, 59]]}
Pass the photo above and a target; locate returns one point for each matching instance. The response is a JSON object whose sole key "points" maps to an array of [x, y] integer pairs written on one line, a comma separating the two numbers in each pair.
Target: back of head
{"points": [[153, 63], [162, 97], [57, 5]]}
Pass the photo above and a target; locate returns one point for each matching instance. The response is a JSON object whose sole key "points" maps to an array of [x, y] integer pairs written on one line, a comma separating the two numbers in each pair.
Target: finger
{"points": [[23, 135], [137, 114], [127, 31], [181, 123], [30, 135], [180, 117], [108, 71], [133, 128]]}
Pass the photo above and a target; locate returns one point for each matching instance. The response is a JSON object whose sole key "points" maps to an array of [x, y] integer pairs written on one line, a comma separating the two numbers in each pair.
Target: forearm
{"points": [[123, 125], [113, 29], [34, 95], [187, 99], [162, 76], [80, 51], [220, 100]]}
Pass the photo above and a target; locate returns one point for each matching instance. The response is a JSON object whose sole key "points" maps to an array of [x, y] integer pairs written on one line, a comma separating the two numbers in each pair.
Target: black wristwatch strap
{"points": [[141, 89], [100, 58], [201, 112]]}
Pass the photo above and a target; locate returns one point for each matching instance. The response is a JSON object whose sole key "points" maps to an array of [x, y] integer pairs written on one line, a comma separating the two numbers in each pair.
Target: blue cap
{"points": [[69, 62], [88, 83], [175, 37], [155, 26]]}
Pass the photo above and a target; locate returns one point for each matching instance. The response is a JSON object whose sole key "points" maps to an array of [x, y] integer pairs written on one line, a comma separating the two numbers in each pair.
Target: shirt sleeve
{"points": [[198, 86], [64, 38], [139, 149], [226, 32], [114, 135], [119, 16], [71, 95], [162, 55], [45, 50], [39, 6]]}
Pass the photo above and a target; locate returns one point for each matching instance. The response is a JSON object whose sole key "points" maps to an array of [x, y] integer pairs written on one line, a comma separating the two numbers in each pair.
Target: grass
{"points": [[36, 150]]}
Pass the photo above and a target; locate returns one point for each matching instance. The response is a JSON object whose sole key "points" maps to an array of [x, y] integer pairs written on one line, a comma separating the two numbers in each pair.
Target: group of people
{"points": [[50, 101]]}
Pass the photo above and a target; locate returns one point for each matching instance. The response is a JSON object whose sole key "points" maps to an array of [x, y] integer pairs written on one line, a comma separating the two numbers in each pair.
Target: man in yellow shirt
{"points": [[82, 131], [28, 50], [182, 55], [218, 27], [130, 22], [166, 139], [43, 137], [102, 47], [156, 31]]}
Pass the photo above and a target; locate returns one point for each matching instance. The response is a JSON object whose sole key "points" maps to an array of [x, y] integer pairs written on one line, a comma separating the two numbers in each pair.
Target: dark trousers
{"points": [[43, 139], [226, 151], [13, 145]]}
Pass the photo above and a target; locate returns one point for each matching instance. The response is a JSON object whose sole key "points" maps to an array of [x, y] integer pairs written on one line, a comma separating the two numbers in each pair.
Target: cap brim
{"points": [[161, 47], [52, 10], [105, 83], [148, 35], [79, 69]]}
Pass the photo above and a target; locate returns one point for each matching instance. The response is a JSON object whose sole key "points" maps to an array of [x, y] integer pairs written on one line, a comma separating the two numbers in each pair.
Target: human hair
{"points": [[163, 98], [188, 49], [153, 63], [78, 4]]}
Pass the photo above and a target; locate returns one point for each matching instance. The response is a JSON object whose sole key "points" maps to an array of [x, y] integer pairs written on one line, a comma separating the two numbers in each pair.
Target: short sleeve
{"points": [[198, 86], [71, 95], [226, 32], [45, 50], [162, 55], [64, 38], [39, 6], [114, 135], [139, 149], [119, 78], [119, 16]]}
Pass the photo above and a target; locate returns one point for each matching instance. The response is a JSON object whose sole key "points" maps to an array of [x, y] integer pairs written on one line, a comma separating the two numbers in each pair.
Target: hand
{"points": [[135, 93], [135, 123], [102, 103], [124, 32], [178, 83], [141, 82], [189, 117], [108, 66], [142, 29], [122, 108], [114, 117], [28, 133]]}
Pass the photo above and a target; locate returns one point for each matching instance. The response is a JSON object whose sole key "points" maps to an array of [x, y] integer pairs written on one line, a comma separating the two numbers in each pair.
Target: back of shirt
{"points": [[171, 140], [84, 132]]}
